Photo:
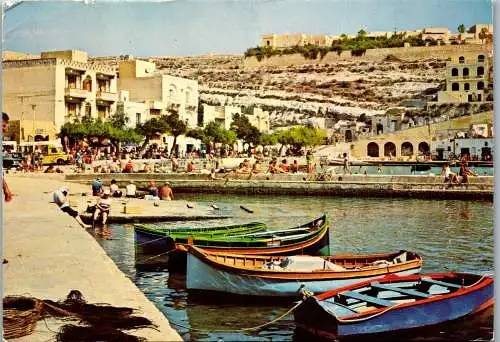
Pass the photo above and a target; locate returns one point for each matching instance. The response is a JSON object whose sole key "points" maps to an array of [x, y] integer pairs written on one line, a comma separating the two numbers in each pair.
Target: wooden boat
{"points": [[284, 276], [394, 304], [149, 240], [310, 238]]}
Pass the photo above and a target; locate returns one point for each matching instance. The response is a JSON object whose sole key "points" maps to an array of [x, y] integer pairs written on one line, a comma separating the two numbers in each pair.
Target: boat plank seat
{"points": [[366, 298], [410, 292], [440, 283]]}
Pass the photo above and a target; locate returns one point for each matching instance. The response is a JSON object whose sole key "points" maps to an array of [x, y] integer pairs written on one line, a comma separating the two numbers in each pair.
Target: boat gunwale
{"points": [[203, 256], [269, 250], [485, 281]]}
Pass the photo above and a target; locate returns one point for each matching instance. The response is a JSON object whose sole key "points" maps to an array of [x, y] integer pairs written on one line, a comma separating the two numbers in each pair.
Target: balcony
{"points": [[105, 96], [76, 93]]}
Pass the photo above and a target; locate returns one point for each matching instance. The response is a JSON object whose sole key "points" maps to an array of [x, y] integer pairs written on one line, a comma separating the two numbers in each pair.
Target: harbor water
{"points": [[451, 236]]}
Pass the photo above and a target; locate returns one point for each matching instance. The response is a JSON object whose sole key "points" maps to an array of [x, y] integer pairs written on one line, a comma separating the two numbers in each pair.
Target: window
{"points": [[465, 72], [137, 118], [53, 150], [454, 72], [461, 59], [455, 86], [466, 86], [480, 85], [480, 58], [480, 71], [486, 143]]}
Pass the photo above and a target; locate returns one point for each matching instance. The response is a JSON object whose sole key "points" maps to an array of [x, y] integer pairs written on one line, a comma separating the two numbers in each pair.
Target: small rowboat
{"points": [[310, 238], [283, 276], [149, 240], [394, 303]]}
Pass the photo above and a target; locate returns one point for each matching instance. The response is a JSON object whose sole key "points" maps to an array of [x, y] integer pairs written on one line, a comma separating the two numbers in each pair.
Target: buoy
{"points": [[246, 209]]}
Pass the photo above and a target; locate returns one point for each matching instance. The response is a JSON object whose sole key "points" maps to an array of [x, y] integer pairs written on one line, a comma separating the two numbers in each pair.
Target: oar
{"points": [[246, 209]]}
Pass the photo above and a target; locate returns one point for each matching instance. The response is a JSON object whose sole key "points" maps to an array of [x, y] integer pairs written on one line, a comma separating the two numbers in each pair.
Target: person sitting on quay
{"points": [[190, 167], [60, 197], [115, 190], [294, 168], [131, 190], [97, 187], [103, 207], [284, 166], [129, 167], [165, 193], [205, 170], [464, 174], [50, 169], [257, 167], [152, 191], [449, 177]]}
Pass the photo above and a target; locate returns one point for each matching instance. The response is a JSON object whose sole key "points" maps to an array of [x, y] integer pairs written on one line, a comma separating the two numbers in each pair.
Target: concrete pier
{"points": [[481, 187], [49, 255]]}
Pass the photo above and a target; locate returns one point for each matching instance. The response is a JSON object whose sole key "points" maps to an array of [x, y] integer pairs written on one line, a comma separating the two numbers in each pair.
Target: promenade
{"points": [[49, 255]]}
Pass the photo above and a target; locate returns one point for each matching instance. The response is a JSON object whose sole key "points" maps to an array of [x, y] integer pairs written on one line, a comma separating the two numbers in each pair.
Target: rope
{"points": [[156, 256], [144, 243], [243, 329]]}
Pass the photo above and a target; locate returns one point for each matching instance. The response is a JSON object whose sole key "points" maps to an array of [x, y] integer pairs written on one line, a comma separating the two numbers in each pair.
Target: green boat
{"points": [[150, 240]]}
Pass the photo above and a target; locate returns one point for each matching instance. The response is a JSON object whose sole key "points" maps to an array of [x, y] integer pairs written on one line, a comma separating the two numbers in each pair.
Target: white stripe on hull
{"points": [[201, 276]]}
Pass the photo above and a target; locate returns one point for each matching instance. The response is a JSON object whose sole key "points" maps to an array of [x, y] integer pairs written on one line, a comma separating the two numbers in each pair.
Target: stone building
{"points": [[295, 39], [224, 115], [466, 79], [41, 94], [160, 92], [136, 112]]}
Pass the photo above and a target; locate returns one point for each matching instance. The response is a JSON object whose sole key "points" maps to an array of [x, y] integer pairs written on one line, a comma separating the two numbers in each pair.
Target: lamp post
{"points": [[33, 106]]}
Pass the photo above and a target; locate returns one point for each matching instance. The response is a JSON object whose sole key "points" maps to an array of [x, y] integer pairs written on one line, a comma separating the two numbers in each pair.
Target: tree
{"points": [[267, 139], [119, 119], [362, 34], [245, 130], [176, 127], [461, 28], [484, 34], [153, 127]]}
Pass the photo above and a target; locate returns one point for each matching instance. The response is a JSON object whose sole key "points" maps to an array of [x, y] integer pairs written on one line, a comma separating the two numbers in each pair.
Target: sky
{"points": [[199, 27]]}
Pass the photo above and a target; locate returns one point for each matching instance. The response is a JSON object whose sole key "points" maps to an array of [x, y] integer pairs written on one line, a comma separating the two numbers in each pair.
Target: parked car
{"points": [[12, 160]]}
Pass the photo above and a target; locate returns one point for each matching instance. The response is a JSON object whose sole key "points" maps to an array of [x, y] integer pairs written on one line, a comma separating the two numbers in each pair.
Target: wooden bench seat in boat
{"points": [[366, 298], [413, 293], [440, 283]]}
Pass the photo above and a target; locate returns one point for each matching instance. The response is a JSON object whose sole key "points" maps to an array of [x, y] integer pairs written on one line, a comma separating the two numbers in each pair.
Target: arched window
{"points": [[389, 149], [454, 72], [372, 149], [461, 59], [87, 84], [465, 72], [172, 89], [480, 85], [480, 58], [466, 86], [455, 86], [480, 71], [423, 148], [407, 149]]}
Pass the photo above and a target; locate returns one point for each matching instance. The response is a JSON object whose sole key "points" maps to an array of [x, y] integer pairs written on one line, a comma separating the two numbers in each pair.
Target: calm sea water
{"points": [[449, 235]]}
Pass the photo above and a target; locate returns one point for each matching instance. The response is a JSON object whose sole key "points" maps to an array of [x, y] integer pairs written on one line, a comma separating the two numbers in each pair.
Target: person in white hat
{"points": [[103, 206], [60, 197]]}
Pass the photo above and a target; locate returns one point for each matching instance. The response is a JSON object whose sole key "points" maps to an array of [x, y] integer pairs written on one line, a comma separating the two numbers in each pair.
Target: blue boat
{"points": [[394, 303]]}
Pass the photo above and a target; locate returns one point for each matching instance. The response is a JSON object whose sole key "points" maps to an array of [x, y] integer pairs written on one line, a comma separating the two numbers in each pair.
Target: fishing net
{"points": [[97, 322]]}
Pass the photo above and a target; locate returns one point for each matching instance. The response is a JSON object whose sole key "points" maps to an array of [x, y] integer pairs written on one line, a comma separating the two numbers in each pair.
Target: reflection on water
{"points": [[449, 235]]}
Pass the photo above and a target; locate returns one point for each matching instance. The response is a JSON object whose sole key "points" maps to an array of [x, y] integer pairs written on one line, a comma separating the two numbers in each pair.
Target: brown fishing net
{"points": [[97, 322]]}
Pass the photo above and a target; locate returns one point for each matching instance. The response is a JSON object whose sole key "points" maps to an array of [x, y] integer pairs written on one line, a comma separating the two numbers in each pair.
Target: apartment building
{"points": [[41, 94], [466, 79], [161, 93], [224, 115]]}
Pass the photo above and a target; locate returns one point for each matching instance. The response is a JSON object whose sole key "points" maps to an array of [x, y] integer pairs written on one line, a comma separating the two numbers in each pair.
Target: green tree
{"points": [[461, 28], [484, 34], [176, 127], [152, 128], [362, 34], [119, 119], [245, 130], [268, 139]]}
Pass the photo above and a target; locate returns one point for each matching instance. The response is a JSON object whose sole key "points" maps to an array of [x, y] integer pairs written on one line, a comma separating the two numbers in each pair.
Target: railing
{"points": [[76, 92], [106, 96]]}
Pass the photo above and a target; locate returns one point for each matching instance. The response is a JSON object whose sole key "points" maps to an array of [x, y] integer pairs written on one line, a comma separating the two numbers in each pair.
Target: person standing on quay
{"points": [[6, 190]]}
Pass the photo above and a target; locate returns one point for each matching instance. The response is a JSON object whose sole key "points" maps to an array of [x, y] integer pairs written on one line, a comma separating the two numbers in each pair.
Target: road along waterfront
{"points": [[450, 235]]}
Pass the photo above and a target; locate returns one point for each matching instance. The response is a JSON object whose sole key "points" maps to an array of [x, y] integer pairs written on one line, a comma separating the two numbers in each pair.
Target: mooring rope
{"points": [[243, 329], [145, 243]]}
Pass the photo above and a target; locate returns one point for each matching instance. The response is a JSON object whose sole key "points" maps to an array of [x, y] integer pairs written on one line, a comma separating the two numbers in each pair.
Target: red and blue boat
{"points": [[394, 304]]}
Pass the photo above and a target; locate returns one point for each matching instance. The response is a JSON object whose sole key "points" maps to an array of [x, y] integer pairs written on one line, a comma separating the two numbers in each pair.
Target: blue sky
{"points": [[196, 27]]}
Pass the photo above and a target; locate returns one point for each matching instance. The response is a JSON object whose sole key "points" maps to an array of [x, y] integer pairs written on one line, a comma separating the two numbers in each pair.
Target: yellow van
{"points": [[52, 151]]}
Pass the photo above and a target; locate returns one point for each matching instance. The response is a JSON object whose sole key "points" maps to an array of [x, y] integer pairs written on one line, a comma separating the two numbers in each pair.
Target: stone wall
{"points": [[373, 55]]}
